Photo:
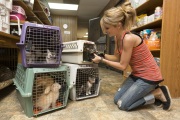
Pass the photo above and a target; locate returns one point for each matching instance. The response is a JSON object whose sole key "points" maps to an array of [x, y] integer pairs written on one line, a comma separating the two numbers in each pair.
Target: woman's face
{"points": [[110, 30]]}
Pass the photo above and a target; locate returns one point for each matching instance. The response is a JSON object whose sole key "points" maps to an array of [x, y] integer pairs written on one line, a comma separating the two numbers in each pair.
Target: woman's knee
{"points": [[117, 97], [115, 100], [123, 105]]}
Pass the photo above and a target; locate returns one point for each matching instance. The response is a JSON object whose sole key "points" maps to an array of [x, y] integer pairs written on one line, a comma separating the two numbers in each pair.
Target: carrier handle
{"points": [[21, 91], [18, 23], [24, 94]]}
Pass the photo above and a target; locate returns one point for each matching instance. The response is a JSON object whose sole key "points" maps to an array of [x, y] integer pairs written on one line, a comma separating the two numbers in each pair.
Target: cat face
{"points": [[50, 55], [55, 87], [91, 80]]}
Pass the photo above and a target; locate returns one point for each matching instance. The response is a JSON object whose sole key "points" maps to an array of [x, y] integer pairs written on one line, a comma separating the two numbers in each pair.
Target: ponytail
{"points": [[123, 13]]}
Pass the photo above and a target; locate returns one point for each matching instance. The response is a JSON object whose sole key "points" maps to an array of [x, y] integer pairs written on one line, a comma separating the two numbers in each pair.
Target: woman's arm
{"points": [[128, 45], [111, 57]]}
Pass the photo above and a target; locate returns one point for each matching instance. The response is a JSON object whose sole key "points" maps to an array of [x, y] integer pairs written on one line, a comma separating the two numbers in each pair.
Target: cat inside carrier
{"points": [[40, 45], [48, 91], [78, 52], [84, 81], [41, 90]]}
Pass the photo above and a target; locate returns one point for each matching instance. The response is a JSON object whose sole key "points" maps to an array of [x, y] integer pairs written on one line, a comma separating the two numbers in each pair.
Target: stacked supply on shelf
{"points": [[42, 83], [152, 38], [146, 17], [84, 75], [5, 9]]}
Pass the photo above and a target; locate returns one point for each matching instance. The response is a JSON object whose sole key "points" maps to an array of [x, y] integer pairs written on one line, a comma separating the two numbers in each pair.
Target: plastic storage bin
{"points": [[4, 19], [79, 51], [40, 45], [7, 4], [84, 81], [41, 90], [19, 12]]}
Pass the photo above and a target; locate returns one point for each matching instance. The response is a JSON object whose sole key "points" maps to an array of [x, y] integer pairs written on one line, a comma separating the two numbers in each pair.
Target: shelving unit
{"points": [[40, 13], [8, 40], [149, 6], [8, 53], [170, 46]]}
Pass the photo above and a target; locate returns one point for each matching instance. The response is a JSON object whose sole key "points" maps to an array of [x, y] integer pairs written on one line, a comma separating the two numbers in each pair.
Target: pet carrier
{"points": [[84, 81], [79, 52], [41, 90], [40, 45]]}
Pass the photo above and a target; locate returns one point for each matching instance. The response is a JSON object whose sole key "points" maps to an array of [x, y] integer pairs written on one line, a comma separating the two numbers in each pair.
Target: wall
{"points": [[70, 33], [82, 30], [109, 5], [77, 29]]}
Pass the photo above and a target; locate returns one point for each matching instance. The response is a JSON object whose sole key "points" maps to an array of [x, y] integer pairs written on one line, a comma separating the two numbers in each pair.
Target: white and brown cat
{"points": [[87, 86]]}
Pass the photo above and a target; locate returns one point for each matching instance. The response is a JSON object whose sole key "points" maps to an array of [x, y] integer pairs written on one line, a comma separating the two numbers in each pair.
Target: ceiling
{"points": [[87, 9]]}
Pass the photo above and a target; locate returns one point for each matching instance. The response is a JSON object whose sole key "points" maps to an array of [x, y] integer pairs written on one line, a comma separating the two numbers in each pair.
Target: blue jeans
{"points": [[134, 93]]}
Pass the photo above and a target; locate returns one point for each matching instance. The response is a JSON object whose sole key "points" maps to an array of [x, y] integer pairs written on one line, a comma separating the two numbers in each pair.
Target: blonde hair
{"points": [[123, 13]]}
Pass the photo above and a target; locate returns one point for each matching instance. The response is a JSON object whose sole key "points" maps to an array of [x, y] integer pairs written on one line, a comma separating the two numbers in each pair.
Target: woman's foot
{"points": [[158, 103], [167, 103], [162, 97]]}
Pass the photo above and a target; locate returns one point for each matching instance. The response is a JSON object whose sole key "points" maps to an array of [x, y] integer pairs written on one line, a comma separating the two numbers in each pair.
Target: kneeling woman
{"points": [[142, 86]]}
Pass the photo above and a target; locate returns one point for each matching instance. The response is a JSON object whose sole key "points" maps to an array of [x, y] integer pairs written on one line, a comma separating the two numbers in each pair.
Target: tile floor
{"points": [[97, 108]]}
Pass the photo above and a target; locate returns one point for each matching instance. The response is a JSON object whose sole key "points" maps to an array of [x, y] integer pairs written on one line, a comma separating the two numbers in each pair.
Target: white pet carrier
{"points": [[84, 81], [41, 90], [79, 52]]}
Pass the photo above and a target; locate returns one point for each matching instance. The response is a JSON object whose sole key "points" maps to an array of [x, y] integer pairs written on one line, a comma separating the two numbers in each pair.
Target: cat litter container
{"points": [[41, 90], [78, 52], [40, 45], [79, 76]]}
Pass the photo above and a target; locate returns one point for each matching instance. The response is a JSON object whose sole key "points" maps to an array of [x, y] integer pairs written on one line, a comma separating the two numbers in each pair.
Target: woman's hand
{"points": [[96, 59]]}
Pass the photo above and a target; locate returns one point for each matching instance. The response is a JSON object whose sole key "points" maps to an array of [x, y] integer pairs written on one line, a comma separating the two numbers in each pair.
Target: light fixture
{"points": [[85, 36], [62, 6]]}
